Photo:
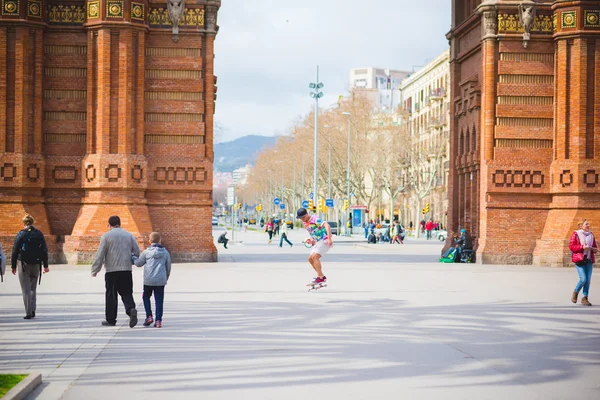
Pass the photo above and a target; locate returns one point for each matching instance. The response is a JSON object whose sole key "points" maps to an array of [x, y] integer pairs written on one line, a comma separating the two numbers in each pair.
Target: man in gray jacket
{"points": [[115, 251]]}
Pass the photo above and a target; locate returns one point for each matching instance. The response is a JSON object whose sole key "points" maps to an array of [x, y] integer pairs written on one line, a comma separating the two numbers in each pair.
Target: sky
{"points": [[266, 53]]}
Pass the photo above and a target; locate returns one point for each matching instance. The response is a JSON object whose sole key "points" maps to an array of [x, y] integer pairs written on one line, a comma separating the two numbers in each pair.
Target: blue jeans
{"points": [[284, 237], [585, 277], [159, 298]]}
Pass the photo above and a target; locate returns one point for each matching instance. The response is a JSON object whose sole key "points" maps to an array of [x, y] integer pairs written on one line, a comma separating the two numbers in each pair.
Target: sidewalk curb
{"points": [[23, 388]]}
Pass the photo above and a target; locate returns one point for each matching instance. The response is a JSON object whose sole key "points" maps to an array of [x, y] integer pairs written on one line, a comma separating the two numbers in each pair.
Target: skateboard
{"points": [[316, 286]]}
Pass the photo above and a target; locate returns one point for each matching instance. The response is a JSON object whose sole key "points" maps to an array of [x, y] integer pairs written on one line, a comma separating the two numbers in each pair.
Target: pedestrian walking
{"points": [[116, 249], [30, 252], [584, 247], [284, 231], [428, 229], [270, 228], [320, 238], [2, 263], [397, 233], [156, 261]]}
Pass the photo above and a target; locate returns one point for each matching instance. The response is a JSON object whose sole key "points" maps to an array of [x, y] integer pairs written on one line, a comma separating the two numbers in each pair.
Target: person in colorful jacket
{"points": [[320, 239], [584, 247]]}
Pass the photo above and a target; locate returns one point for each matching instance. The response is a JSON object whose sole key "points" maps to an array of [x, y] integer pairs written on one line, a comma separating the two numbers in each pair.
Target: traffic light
{"points": [[346, 204], [239, 206], [426, 209], [321, 206], [311, 207], [259, 207]]}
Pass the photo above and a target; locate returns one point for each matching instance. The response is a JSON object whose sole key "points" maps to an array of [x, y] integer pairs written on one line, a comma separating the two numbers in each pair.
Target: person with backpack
{"points": [[31, 251]]}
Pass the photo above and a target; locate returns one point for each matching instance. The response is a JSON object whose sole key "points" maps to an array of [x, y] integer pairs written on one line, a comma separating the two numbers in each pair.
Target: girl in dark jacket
{"points": [[583, 245]]}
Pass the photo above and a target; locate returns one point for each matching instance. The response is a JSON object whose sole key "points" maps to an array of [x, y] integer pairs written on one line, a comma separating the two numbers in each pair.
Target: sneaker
{"points": [[133, 318], [106, 323], [320, 280], [158, 324], [149, 320]]}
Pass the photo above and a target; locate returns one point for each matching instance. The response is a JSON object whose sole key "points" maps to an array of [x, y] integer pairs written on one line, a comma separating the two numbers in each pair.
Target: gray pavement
{"points": [[393, 323]]}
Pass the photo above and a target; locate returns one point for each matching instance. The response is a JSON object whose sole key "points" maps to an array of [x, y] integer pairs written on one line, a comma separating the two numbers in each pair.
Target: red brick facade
{"points": [[530, 110], [103, 111]]}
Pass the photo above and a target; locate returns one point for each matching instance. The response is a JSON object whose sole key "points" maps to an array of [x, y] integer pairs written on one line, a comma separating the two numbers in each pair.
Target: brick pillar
{"points": [[21, 161], [114, 171], [575, 168], [488, 120]]}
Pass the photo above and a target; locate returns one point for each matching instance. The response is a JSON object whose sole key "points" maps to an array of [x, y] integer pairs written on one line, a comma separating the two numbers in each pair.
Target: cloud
{"points": [[267, 52]]}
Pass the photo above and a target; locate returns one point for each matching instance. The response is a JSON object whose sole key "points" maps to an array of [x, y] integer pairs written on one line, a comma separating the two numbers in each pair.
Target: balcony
{"points": [[437, 123], [437, 94]]}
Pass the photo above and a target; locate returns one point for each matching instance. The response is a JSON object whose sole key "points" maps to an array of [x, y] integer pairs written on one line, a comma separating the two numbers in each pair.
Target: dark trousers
{"points": [[159, 299], [28, 277], [121, 283], [284, 237]]}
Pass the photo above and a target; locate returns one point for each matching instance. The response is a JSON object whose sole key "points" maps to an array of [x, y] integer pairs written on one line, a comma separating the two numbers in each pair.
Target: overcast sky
{"points": [[267, 52]]}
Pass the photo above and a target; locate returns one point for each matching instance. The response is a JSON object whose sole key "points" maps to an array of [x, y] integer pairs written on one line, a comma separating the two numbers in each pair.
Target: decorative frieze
{"points": [[569, 19], [510, 23], [192, 17], [66, 14], [518, 179]]}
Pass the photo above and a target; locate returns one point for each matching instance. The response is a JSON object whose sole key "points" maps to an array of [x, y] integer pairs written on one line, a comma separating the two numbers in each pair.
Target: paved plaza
{"points": [[393, 324]]}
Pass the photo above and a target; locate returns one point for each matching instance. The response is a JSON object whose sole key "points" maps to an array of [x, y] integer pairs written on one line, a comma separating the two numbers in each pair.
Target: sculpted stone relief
{"points": [[175, 9], [526, 17]]}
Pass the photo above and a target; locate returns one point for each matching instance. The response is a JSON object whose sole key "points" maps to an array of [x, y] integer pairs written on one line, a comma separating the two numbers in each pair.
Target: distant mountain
{"points": [[239, 152]]}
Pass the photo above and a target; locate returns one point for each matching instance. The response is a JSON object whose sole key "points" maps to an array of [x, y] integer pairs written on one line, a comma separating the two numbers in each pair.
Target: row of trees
{"points": [[385, 157]]}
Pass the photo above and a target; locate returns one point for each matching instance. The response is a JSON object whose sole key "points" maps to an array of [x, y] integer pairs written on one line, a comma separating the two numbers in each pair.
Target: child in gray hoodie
{"points": [[156, 261]]}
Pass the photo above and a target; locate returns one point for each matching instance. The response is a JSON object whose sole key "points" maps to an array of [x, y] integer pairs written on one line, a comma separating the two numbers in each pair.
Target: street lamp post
{"points": [[317, 94], [348, 114]]}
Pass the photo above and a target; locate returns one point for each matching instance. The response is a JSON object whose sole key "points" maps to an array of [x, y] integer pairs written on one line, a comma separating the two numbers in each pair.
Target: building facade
{"points": [[106, 107], [381, 85], [525, 127], [425, 111]]}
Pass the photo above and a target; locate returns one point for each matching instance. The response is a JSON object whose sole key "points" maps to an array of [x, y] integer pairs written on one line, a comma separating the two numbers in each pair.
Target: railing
{"points": [[437, 94]]}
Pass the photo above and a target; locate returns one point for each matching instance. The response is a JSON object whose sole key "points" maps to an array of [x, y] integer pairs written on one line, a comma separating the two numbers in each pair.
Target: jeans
{"points": [[428, 234], [284, 237], [121, 283], [159, 298], [28, 277], [585, 277]]}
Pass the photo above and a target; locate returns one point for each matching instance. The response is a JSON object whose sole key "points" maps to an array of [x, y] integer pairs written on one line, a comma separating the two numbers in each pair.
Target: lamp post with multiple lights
{"points": [[316, 94]]}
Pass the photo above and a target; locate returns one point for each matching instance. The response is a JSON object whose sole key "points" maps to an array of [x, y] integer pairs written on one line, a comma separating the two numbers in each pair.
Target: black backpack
{"points": [[33, 247]]}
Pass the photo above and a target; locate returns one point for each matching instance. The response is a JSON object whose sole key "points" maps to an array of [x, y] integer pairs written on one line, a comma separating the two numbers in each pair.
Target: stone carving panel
{"points": [[180, 175], [137, 174], [518, 179], [90, 173], [33, 173], [8, 172], [10, 7], [566, 178], [64, 174], [591, 18], [34, 8], [112, 173], [591, 178]]}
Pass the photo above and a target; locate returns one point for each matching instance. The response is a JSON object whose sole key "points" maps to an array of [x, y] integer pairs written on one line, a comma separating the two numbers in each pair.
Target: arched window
{"points": [[468, 142], [461, 147], [474, 139]]}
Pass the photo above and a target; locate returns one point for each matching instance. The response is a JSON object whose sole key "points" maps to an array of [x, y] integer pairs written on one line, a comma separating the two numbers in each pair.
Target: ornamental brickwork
{"points": [[524, 78], [104, 111]]}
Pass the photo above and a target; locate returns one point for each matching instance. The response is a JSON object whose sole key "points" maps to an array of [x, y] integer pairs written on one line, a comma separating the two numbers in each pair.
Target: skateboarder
{"points": [[320, 238]]}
